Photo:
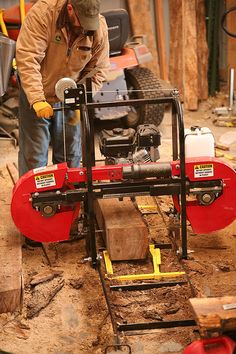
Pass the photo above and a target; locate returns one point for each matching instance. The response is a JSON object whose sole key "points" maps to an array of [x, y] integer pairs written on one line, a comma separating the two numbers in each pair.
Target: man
{"points": [[59, 38]]}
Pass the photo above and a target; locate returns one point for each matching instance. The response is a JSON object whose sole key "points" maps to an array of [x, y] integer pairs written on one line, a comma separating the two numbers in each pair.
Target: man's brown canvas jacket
{"points": [[43, 55]]}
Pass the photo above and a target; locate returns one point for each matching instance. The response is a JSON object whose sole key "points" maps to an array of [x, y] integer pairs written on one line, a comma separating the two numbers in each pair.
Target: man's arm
{"points": [[30, 51]]}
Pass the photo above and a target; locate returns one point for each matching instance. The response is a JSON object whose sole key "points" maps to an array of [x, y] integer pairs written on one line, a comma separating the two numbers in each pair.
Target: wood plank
{"points": [[176, 45], [10, 251], [231, 42], [211, 315], [161, 42], [190, 58], [202, 50], [126, 235], [188, 64], [139, 10]]}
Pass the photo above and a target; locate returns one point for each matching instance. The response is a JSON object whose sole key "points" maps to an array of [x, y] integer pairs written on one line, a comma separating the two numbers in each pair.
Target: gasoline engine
{"points": [[123, 146]]}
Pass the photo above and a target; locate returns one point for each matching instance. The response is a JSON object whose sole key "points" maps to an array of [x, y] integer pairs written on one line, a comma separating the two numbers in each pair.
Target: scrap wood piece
{"points": [[222, 147], [211, 314], [45, 276], [219, 153], [42, 295], [13, 172], [224, 124], [230, 157]]}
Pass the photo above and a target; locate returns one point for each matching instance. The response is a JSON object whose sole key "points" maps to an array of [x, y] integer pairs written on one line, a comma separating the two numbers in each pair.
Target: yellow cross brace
{"points": [[156, 259]]}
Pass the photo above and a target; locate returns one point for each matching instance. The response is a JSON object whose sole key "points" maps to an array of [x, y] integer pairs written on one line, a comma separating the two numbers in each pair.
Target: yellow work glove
{"points": [[43, 109], [75, 119]]}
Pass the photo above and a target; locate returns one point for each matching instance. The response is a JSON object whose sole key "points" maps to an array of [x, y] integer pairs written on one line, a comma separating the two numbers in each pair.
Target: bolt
{"points": [[177, 167], [81, 173], [48, 209], [206, 198]]}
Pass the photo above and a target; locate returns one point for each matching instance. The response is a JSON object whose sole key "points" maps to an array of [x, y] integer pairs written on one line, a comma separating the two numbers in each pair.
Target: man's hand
{"points": [[75, 119], [43, 109]]}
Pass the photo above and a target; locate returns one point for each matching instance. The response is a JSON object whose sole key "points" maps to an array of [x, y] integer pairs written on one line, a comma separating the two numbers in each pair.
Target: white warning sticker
{"points": [[204, 170], [43, 181]]}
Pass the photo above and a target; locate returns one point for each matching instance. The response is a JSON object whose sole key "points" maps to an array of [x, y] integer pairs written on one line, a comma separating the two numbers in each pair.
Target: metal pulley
{"points": [[64, 84]]}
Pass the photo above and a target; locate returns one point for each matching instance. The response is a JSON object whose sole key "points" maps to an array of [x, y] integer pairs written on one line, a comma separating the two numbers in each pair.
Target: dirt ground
{"points": [[76, 319]]}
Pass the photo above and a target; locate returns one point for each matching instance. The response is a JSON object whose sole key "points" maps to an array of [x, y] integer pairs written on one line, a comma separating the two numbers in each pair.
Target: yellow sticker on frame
{"points": [[43, 181], [204, 170]]}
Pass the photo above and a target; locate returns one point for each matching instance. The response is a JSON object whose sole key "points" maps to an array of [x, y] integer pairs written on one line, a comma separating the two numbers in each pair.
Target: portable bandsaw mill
{"points": [[46, 200]]}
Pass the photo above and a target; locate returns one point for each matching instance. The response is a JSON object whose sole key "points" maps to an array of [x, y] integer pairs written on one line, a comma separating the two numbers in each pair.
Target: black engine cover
{"points": [[117, 142]]}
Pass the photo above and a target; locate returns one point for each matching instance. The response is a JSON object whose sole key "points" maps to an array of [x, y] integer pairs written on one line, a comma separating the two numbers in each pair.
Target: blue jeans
{"points": [[35, 135]]}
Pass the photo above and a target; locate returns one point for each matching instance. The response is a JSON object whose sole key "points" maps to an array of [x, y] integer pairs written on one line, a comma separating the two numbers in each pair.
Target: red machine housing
{"points": [[61, 179], [218, 345]]}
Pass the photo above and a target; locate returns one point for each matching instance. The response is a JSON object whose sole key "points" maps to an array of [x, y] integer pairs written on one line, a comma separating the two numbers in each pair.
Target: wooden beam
{"points": [[141, 23], [202, 50], [10, 251], [231, 41], [176, 46], [188, 64], [190, 59], [125, 233], [215, 314], [161, 42]]}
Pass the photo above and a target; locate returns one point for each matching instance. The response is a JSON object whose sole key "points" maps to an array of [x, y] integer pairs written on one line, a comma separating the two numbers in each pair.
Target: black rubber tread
{"points": [[143, 79]]}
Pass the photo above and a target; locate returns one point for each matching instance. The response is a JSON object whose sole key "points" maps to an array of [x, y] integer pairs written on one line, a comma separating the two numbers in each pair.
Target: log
{"points": [[10, 251], [125, 233], [215, 314]]}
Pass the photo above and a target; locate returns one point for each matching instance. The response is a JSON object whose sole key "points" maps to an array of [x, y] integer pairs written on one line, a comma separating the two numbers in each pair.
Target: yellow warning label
{"points": [[204, 170], [46, 180]]}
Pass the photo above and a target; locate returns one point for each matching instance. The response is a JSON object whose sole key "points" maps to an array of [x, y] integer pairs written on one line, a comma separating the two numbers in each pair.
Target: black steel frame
{"points": [[178, 152], [95, 190]]}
